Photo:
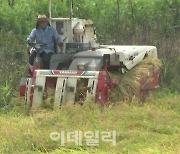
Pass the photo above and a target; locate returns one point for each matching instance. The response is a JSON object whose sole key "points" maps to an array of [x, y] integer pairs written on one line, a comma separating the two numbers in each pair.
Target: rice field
{"points": [[149, 127]]}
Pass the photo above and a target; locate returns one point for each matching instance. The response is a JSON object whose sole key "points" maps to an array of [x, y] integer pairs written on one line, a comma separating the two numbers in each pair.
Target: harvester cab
{"points": [[79, 35], [81, 70]]}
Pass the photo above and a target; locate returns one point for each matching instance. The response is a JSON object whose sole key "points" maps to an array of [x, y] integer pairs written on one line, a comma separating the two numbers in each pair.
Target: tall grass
{"points": [[11, 69]]}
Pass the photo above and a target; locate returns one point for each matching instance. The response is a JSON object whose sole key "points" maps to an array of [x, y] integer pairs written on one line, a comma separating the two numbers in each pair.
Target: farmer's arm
{"points": [[31, 37]]}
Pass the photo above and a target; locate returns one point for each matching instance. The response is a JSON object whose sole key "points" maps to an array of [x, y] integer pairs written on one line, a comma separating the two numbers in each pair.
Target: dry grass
{"points": [[152, 127]]}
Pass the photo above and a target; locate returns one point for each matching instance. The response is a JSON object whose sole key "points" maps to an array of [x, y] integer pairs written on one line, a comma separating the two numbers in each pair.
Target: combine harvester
{"points": [[81, 70]]}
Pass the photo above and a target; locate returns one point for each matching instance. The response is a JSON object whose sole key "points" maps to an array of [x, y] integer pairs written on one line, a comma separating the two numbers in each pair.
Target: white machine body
{"points": [[125, 57]]}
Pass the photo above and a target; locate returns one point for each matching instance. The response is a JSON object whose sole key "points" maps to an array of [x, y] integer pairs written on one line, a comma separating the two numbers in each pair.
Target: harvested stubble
{"points": [[129, 86], [48, 98]]}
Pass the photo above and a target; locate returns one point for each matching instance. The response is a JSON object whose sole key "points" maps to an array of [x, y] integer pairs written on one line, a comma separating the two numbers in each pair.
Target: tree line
{"points": [[117, 20]]}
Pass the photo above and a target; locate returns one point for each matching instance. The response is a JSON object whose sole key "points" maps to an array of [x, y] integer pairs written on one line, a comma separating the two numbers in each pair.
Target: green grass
{"points": [[149, 127]]}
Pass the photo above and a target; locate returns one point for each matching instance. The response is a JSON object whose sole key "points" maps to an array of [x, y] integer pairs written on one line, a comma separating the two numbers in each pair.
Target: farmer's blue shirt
{"points": [[49, 36]]}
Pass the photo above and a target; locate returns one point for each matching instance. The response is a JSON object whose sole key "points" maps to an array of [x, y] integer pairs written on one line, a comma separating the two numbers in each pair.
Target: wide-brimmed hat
{"points": [[42, 18]]}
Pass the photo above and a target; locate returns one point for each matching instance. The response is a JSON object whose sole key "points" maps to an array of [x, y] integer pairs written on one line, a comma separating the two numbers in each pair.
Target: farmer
{"points": [[44, 33]]}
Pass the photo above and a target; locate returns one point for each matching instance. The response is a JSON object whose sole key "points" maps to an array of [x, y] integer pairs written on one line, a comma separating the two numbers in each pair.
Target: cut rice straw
{"points": [[130, 86]]}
